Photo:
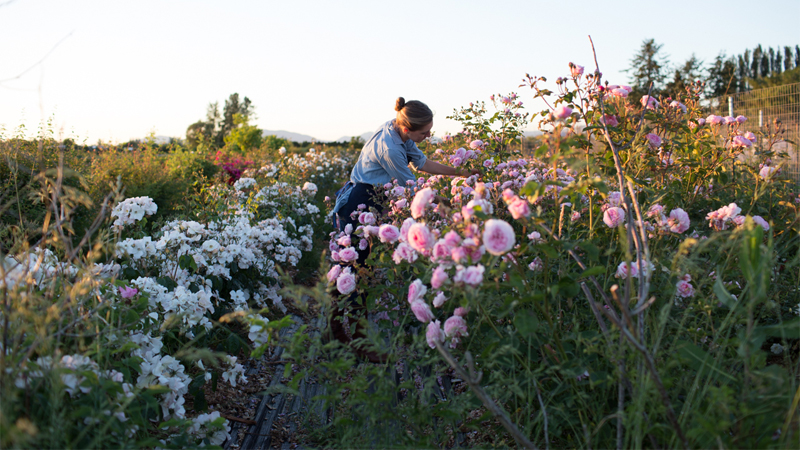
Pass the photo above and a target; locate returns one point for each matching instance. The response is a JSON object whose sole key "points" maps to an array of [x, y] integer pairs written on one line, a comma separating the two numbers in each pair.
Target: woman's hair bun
{"points": [[401, 102]]}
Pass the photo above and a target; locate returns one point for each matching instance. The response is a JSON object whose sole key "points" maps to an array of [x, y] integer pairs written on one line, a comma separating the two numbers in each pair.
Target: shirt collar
{"points": [[393, 132]]}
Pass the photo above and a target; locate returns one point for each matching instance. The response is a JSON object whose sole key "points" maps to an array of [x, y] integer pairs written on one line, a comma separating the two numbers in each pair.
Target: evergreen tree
{"points": [[648, 66], [722, 79], [755, 64], [765, 64], [683, 76]]}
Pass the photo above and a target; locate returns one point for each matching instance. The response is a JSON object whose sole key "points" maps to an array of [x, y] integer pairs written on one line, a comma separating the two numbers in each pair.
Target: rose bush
{"points": [[605, 265]]}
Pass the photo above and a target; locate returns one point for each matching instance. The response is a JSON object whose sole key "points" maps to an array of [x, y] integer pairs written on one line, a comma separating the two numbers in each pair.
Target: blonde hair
{"points": [[412, 115]]}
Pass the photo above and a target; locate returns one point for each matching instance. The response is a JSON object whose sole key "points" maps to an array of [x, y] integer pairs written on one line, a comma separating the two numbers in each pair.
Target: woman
{"points": [[385, 157]]}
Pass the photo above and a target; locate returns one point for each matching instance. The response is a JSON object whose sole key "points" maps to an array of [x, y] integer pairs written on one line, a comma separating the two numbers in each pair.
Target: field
{"points": [[630, 281]]}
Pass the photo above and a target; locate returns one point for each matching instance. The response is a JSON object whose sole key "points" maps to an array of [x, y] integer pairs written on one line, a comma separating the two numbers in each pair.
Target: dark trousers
{"points": [[365, 194]]}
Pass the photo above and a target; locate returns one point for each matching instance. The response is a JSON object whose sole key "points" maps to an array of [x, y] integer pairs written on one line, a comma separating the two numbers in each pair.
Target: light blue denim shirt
{"points": [[384, 157]]}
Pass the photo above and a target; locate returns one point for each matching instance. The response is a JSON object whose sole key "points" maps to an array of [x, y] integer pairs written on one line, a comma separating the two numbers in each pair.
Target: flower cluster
{"points": [[132, 210]]}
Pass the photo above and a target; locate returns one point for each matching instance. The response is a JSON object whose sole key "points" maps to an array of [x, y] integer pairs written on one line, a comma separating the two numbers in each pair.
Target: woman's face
{"points": [[421, 134]]}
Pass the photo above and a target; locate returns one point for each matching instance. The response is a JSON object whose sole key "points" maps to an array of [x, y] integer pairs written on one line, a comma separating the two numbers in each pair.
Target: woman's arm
{"points": [[435, 168]]}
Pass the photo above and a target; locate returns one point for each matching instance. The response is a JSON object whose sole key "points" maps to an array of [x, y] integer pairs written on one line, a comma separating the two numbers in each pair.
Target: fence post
{"points": [[730, 106]]}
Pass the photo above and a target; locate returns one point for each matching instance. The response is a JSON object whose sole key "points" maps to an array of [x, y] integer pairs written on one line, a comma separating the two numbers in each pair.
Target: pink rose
{"points": [[459, 254], [714, 120], [610, 120], [519, 208], [388, 233], [679, 105], [562, 112], [404, 228], [614, 216], [363, 244], [684, 289], [761, 222], [472, 275], [576, 216], [441, 251], [576, 70], [335, 256], [452, 239], [461, 311], [434, 333], [404, 252], [127, 292], [622, 270], [767, 172], [334, 273], [750, 136], [421, 201], [400, 204], [678, 221], [422, 311], [346, 282], [455, 161], [535, 236], [371, 230], [344, 241], [618, 92], [741, 119], [477, 143], [348, 254], [741, 141], [420, 237], [439, 300], [366, 218], [461, 153], [416, 290], [455, 327], [654, 140], [701, 122], [649, 102], [536, 265], [498, 236]]}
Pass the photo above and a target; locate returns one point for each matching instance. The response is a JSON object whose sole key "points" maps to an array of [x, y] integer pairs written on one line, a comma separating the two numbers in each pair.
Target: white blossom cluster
{"points": [[315, 165], [132, 210], [205, 427], [40, 266], [219, 250]]}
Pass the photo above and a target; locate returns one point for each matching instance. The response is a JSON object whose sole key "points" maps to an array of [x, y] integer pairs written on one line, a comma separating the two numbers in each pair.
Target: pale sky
{"points": [[330, 69]]}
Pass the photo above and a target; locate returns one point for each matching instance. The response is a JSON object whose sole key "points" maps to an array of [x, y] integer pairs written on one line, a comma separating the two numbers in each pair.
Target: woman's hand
{"points": [[468, 172]]}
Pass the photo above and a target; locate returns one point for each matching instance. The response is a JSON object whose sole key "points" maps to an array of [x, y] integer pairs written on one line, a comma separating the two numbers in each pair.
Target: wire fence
{"points": [[764, 108]]}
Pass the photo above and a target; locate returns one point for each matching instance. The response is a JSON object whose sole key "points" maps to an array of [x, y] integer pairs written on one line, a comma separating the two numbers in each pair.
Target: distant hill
{"points": [[364, 136], [283, 134]]}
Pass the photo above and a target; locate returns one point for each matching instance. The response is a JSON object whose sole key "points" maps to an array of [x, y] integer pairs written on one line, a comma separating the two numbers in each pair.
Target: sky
{"points": [[115, 70]]}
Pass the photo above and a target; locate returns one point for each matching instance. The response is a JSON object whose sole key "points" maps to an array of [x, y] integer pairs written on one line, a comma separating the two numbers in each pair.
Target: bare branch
{"points": [[41, 60], [473, 380]]}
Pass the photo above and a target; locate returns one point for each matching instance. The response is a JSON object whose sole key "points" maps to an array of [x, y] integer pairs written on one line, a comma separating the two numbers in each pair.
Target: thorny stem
{"points": [[640, 240], [473, 380], [653, 372]]}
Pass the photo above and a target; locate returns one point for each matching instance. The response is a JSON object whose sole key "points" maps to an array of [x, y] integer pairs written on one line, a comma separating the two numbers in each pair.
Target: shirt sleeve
{"points": [[415, 157], [394, 160]]}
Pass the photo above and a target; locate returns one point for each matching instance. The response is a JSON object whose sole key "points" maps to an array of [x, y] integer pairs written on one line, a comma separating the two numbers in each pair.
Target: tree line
{"points": [[754, 69]]}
